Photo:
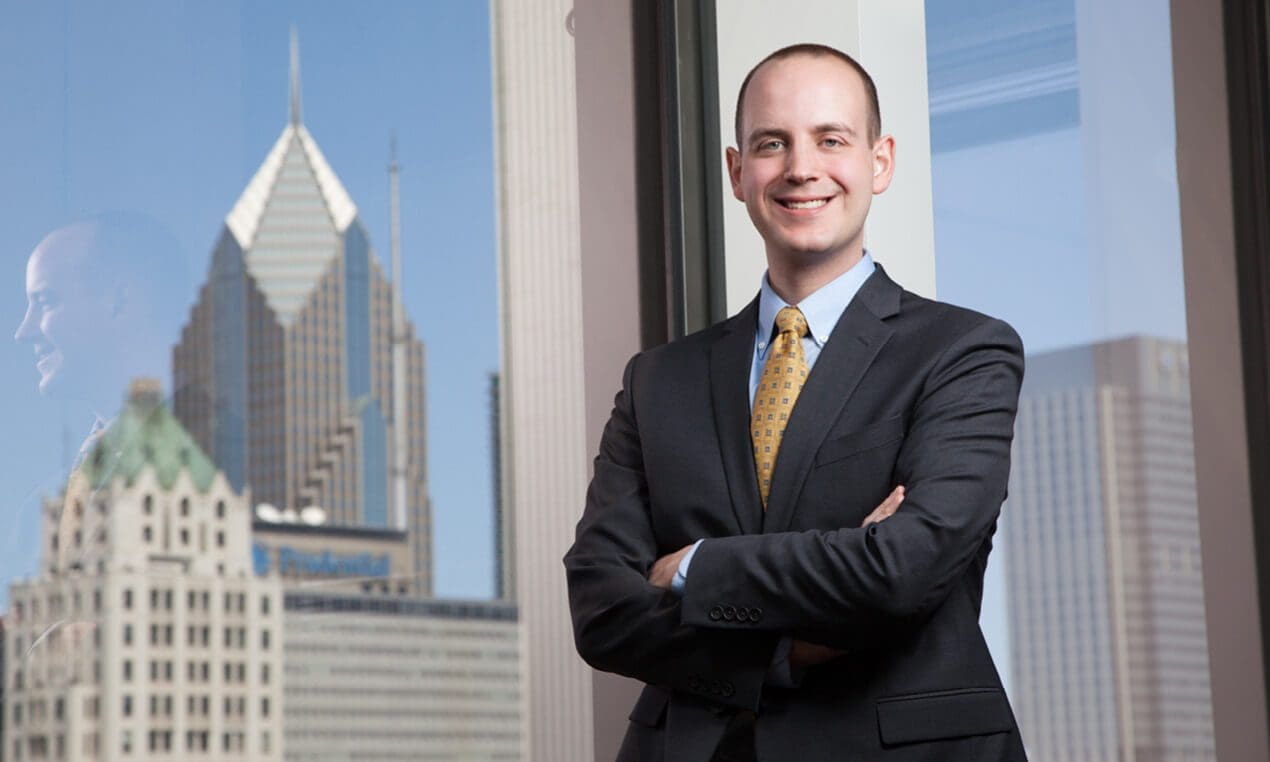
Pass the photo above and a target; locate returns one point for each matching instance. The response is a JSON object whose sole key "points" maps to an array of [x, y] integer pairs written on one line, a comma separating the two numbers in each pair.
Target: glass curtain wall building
{"points": [[284, 371]]}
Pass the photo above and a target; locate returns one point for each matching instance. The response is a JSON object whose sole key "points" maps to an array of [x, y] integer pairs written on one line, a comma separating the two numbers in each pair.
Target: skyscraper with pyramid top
{"points": [[283, 373]]}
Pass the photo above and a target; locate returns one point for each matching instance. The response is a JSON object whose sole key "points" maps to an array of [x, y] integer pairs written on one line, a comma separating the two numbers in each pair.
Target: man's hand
{"points": [[803, 654], [888, 507], [663, 571]]}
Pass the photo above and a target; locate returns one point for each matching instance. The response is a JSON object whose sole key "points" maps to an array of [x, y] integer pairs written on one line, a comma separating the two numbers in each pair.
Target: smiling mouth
{"points": [[809, 204]]}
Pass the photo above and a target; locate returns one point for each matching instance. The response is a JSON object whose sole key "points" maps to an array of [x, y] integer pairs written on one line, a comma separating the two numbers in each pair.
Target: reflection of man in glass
{"points": [[103, 301], [98, 293]]}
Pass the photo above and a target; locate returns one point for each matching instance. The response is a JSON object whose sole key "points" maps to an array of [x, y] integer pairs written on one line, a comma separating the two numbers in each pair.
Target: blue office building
{"points": [[284, 370]]}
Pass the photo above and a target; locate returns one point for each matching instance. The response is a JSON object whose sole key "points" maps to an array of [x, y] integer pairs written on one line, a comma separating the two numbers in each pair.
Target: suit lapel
{"points": [[731, 359], [852, 346]]}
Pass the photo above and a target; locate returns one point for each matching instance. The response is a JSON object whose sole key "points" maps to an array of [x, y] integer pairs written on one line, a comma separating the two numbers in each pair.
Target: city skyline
{"points": [[176, 131], [160, 626]]}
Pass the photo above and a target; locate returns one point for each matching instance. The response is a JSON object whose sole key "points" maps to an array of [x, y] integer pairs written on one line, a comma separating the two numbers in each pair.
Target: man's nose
{"points": [[800, 164], [26, 329]]}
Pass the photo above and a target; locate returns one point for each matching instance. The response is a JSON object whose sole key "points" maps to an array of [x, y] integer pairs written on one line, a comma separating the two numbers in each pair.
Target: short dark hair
{"points": [[815, 50]]}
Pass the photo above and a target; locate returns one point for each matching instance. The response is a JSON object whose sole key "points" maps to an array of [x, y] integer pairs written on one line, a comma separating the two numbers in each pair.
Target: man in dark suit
{"points": [[791, 512]]}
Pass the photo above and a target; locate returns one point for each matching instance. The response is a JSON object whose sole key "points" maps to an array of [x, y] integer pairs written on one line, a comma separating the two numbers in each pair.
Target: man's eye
{"points": [[770, 145], [833, 142]]}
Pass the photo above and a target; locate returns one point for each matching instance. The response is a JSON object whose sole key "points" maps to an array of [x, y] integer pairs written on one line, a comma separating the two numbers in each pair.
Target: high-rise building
{"points": [[543, 427], [284, 371], [385, 677], [145, 634], [1105, 593]]}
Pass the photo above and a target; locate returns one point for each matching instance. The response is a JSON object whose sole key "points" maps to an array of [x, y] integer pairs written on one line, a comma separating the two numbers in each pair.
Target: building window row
{"points": [[235, 672], [160, 740], [198, 636], [161, 635], [198, 671], [160, 706], [161, 669]]}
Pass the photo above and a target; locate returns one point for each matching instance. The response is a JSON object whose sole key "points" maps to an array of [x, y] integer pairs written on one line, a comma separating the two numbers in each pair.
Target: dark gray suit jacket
{"points": [[906, 391]]}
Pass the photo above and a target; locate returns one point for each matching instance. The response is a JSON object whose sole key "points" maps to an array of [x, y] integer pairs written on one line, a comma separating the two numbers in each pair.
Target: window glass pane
{"points": [[1056, 209], [253, 455]]}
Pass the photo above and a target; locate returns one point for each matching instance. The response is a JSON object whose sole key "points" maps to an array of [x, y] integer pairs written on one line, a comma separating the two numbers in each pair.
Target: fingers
{"points": [[888, 506], [803, 654], [662, 573]]}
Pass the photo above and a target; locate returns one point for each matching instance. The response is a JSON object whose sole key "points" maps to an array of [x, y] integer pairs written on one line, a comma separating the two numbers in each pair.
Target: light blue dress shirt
{"points": [[822, 309]]}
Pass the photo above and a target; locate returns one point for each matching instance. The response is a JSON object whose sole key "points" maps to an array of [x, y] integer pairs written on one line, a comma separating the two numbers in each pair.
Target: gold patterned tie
{"points": [[783, 377]]}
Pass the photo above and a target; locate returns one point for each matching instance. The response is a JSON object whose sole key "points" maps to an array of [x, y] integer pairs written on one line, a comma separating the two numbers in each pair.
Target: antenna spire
{"points": [[400, 467], [295, 78]]}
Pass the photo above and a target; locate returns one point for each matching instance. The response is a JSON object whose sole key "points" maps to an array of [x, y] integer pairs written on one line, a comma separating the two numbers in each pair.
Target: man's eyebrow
{"points": [[836, 127], [767, 132], [775, 132]]}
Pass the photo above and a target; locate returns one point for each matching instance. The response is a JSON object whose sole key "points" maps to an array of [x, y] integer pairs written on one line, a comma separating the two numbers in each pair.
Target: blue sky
{"points": [[168, 108]]}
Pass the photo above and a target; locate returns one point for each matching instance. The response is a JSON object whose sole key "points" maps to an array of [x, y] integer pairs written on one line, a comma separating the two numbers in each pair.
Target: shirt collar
{"points": [[822, 308]]}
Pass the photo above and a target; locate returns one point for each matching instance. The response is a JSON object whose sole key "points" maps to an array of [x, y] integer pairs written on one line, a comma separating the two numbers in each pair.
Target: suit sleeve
{"points": [[954, 463], [621, 622]]}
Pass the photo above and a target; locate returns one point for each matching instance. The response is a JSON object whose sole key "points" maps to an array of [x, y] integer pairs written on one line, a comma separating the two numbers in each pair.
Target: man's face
{"points": [[807, 169], [68, 320]]}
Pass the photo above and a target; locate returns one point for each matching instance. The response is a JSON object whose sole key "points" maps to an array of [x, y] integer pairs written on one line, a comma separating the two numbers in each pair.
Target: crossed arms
{"points": [[832, 588]]}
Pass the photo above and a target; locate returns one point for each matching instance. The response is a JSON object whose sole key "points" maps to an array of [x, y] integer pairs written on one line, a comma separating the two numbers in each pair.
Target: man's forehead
{"points": [[60, 256], [816, 74], [825, 69]]}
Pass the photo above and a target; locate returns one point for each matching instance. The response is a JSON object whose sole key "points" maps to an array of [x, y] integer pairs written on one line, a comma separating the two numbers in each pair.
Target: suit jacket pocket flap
{"points": [[650, 708], [873, 435], [946, 714]]}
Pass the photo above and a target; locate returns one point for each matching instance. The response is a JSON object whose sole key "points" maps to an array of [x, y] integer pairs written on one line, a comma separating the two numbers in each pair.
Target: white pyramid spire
{"points": [[290, 217]]}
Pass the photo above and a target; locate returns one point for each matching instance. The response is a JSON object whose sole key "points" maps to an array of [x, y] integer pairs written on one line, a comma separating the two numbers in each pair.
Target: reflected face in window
{"points": [[808, 168], [69, 319]]}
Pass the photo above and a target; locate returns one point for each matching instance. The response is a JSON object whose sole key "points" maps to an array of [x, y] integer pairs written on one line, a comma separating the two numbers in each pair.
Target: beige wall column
{"points": [[546, 455], [889, 39], [610, 263], [1222, 476]]}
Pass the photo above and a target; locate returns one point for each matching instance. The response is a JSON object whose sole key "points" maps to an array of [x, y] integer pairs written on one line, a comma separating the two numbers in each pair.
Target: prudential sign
{"points": [[297, 563]]}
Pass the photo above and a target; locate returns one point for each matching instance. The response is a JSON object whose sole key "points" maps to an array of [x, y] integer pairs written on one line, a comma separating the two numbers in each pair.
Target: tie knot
{"points": [[791, 319]]}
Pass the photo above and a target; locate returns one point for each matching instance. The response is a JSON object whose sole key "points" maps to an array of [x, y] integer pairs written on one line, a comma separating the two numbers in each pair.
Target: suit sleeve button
{"points": [[742, 614], [729, 613], [716, 613], [728, 690], [756, 614]]}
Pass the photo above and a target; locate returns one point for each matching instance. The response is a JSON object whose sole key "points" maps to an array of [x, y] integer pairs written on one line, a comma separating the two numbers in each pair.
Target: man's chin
{"points": [[50, 386], [55, 385]]}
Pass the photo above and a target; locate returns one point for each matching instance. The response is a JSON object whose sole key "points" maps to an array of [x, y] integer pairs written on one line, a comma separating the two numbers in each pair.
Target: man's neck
{"points": [[795, 281]]}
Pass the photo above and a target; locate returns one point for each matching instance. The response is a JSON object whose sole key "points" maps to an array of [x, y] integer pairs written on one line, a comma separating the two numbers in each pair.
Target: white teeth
{"points": [[807, 204]]}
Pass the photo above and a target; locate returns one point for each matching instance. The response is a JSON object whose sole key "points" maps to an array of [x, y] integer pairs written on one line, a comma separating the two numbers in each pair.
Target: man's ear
{"points": [[734, 172], [883, 163]]}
